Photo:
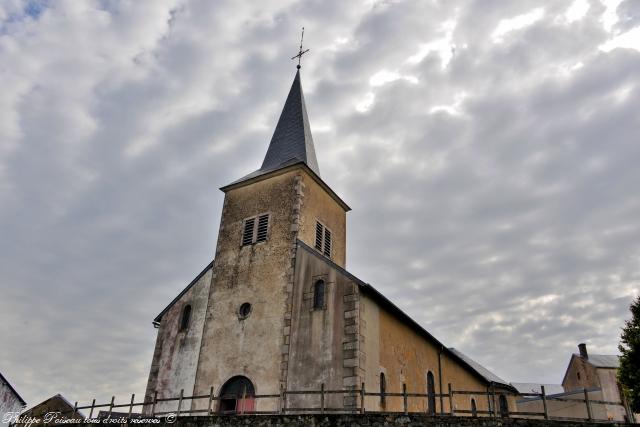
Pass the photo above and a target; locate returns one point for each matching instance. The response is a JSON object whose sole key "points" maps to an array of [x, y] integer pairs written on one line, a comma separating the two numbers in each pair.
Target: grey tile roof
{"points": [[292, 138]]}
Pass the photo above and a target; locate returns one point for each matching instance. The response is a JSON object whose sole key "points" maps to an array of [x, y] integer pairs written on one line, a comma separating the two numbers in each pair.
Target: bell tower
{"points": [[248, 317]]}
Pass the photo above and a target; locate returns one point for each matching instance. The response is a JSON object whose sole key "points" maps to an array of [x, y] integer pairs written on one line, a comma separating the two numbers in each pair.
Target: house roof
{"points": [[4, 380], [58, 397], [604, 360], [393, 309], [184, 291]]}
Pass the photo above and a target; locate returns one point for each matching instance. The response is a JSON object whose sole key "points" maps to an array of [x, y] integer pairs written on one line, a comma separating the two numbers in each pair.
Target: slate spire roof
{"points": [[292, 141]]}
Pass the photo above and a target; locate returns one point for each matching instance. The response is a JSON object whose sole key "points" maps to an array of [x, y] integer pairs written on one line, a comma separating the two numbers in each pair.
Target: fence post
{"points": [[404, 398], [588, 403], [113, 398], [362, 399], [210, 401], [155, 400], [133, 396], [494, 411], [282, 400], [544, 402], [452, 410], [92, 405], [180, 402]]}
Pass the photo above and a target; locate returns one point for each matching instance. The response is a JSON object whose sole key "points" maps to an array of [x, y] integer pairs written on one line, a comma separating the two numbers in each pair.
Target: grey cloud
{"points": [[507, 229]]}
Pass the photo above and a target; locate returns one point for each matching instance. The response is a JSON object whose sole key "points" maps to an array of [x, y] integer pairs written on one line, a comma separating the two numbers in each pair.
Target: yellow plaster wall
{"points": [[406, 357], [317, 204]]}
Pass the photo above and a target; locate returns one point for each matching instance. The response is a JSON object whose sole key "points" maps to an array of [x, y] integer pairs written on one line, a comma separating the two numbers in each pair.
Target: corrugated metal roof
{"points": [[487, 374], [535, 388]]}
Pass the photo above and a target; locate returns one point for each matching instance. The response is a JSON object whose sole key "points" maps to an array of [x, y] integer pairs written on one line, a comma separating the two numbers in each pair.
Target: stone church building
{"points": [[277, 307]]}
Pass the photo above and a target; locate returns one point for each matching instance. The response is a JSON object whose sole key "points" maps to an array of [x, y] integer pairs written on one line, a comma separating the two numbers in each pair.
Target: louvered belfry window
{"points": [[323, 239], [255, 229]]}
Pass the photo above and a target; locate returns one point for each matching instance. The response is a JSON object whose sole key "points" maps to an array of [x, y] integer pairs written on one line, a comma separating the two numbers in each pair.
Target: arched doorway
{"points": [[474, 408], [237, 396], [431, 394]]}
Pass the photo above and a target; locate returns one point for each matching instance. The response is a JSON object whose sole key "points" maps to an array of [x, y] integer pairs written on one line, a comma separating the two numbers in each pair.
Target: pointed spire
{"points": [[292, 141]]}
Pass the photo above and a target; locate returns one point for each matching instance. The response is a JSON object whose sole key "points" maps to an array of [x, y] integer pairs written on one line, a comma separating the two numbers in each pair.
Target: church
{"points": [[277, 309]]}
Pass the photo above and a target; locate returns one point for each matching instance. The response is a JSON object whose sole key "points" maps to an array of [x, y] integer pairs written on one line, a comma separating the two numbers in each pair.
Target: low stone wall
{"points": [[370, 420]]}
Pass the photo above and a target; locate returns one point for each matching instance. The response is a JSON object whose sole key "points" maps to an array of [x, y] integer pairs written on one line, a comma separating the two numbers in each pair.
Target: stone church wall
{"points": [[257, 274], [323, 340], [175, 356]]}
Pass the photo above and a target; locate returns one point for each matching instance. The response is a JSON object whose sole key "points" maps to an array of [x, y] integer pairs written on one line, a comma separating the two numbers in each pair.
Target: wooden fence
{"points": [[492, 399]]}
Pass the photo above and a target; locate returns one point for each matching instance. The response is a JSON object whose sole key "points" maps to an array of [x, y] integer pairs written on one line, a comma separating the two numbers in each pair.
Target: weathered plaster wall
{"points": [[175, 357], [393, 347], [610, 392], [257, 274], [9, 402], [579, 367], [323, 340], [319, 205]]}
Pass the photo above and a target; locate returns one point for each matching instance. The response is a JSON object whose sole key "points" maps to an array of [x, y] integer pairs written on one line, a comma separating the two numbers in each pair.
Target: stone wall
{"points": [[370, 420]]}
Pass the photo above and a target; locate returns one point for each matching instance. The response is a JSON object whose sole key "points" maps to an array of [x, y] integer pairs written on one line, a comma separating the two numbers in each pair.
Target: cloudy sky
{"points": [[489, 150]]}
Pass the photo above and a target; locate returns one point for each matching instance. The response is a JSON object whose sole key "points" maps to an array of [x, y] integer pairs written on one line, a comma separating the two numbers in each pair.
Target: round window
{"points": [[244, 311]]}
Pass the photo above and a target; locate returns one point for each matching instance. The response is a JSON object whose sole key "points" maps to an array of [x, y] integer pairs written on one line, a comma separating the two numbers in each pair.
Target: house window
{"points": [[383, 388], [323, 239], [318, 294], [186, 317], [255, 229], [474, 408]]}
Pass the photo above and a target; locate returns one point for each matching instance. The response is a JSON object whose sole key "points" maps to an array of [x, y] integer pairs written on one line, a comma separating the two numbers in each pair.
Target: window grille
{"points": [[327, 242], [319, 234], [255, 229], [247, 234], [263, 225], [323, 239]]}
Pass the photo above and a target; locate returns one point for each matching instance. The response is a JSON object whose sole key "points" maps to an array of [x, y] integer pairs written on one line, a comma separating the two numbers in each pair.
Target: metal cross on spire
{"points": [[301, 52]]}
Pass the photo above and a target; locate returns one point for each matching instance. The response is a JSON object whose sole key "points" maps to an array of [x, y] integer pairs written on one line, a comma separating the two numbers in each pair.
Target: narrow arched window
{"points": [[318, 294], [431, 394], [474, 408], [186, 317], [383, 388], [504, 406]]}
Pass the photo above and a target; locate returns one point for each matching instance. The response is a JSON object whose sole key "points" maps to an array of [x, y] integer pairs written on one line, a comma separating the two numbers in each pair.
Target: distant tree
{"points": [[629, 372]]}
